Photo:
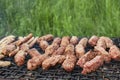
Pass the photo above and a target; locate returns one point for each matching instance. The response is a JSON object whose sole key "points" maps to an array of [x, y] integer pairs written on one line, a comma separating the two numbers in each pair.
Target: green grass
{"points": [[60, 17]]}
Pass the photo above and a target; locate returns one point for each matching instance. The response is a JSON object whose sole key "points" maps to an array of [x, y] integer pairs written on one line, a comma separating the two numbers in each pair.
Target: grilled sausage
{"points": [[19, 42], [65, 41], [33, 52], [74, 40], [52, 61], [108, 41], [79, 50], [85, 58], [114, 53], [47, 37], [20, 58], [43, 44], [59, 51], [5, 63], [57, 40], [93, 40], [69, 62], [92, 65], [104, 53], [35, 62], [83, 42]]}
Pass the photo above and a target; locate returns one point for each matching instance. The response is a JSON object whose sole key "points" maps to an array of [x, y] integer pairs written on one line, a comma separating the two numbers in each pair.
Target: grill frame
{"points": [[110, 71]]}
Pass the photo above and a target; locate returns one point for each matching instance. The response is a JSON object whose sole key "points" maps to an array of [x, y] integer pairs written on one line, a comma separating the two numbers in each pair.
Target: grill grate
{"points": [[109, 71]]}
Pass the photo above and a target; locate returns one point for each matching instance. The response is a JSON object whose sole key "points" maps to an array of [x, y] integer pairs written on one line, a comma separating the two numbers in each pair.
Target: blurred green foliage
{"points": [[60, 17]]}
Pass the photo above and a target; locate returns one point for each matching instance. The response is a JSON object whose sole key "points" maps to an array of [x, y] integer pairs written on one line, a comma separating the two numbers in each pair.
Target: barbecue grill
{"points": [[110, 71]]}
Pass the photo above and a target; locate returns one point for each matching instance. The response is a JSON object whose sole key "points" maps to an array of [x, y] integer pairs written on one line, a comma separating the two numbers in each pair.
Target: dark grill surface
{"points": [[109, 71]]}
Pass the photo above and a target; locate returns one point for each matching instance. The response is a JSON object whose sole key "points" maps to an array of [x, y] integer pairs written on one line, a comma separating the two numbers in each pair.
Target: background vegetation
{"points": [[60, 17]]}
